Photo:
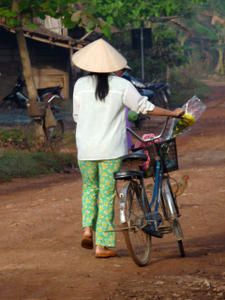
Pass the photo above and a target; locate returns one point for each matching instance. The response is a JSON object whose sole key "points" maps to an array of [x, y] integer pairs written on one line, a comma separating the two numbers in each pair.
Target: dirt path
{"points": [[40, 253]]}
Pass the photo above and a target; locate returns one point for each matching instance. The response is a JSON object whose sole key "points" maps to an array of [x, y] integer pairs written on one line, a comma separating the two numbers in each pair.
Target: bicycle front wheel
{"points": [[171, 213], [177, 230], [137, 241]]}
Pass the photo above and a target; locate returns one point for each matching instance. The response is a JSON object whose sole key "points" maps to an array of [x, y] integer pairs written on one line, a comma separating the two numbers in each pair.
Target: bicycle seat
{"points": [[127, 175], [139, 155]]}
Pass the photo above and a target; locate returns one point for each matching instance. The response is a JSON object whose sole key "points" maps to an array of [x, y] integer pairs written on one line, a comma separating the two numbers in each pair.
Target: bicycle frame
{"points": [[152, 216]]}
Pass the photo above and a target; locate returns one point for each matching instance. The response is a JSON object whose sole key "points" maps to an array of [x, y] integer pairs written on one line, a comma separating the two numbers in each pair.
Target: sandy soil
{"points": [[40, 253]]}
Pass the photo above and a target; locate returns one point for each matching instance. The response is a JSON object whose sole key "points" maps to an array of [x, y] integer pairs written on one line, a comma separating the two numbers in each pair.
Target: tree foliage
{"points": [[206, 36], [94, 13]]}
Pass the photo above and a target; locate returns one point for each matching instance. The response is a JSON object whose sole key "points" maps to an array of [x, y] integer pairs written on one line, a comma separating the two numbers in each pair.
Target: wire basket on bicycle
{"points": [[167, 152]]}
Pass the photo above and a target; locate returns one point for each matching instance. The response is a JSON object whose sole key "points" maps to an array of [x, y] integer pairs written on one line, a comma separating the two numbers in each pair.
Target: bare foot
{"points": [[87, 232]]}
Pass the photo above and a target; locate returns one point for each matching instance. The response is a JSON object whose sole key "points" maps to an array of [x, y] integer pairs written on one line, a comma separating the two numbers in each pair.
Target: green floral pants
{"points": [[98, 198]]}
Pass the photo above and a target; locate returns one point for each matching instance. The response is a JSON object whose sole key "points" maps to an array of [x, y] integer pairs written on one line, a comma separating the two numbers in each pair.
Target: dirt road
{"points": [[40, 253]]}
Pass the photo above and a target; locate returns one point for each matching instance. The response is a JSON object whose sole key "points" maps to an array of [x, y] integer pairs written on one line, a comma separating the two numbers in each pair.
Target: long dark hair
{"points": [[102, 86]]}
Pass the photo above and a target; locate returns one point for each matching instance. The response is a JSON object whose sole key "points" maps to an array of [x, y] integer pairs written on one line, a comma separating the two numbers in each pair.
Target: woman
{"points": [[99, 103]]}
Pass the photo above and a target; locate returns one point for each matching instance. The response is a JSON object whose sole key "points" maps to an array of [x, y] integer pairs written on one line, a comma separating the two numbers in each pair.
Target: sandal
{"points": [[105, 252], [87, 242]]}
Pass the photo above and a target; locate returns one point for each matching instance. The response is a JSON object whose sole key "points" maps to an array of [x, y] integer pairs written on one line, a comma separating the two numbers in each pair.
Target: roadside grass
{"points": [[14, 163], [16, 160], [13, 136]]}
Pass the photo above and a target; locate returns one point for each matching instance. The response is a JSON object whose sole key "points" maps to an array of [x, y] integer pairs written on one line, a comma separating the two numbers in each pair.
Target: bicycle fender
{"points": [[122, 197]]}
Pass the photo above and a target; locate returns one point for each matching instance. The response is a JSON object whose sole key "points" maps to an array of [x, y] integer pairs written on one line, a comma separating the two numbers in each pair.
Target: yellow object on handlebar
{"points": [[185, 121]]}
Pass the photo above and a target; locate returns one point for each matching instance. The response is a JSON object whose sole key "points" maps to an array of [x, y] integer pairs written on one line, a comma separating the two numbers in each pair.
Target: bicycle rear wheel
{"points": [[137, 241]]}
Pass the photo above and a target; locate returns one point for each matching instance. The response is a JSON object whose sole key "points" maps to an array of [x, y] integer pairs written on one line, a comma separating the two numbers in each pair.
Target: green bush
{"points": [[12, 135], [26, 164], [184, 85]]}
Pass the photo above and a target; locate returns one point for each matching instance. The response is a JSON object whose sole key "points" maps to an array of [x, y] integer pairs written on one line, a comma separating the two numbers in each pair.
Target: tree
{"points": [[87, 13], [204, 34], [215, 10]]}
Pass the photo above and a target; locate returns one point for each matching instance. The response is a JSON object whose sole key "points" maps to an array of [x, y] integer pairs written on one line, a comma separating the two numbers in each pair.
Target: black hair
{"points": [[102, 86]]}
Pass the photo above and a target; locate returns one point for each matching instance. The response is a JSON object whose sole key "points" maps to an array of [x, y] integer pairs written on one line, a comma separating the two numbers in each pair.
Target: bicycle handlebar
{"points": [[150, 139]]}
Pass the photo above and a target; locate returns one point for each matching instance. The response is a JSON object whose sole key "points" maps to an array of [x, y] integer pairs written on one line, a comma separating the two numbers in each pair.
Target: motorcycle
{"points": [[158, 93], [50, 119]]}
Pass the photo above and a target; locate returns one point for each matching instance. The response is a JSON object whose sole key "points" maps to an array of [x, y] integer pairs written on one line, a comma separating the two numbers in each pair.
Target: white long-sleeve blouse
{"points": [[101, 125]]}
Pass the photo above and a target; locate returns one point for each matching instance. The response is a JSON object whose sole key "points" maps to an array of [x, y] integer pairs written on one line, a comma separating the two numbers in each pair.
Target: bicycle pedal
{"points": [[156, 234]]}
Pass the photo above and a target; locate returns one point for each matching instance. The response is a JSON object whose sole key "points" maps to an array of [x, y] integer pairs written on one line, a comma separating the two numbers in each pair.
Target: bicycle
{"points": [[147, 204]]}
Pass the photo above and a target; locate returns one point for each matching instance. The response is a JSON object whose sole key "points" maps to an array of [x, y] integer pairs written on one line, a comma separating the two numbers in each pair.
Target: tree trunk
{"points": [[168, 73], [183, 39], [220, 64], [33, 108]]}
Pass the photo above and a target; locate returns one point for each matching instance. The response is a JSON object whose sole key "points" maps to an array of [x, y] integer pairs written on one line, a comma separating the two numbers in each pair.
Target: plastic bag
{"points": [[194, 108]]}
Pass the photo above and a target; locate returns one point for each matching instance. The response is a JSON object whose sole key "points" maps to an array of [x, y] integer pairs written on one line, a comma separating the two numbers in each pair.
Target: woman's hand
{"points": [[178, 112]]}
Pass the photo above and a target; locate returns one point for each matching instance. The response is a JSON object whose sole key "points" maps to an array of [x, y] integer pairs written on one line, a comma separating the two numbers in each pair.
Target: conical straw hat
{"points": [[100, 57]]}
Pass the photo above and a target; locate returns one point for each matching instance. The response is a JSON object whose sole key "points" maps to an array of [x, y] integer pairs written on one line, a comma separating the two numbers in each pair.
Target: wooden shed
{"points": [[50, 55]]}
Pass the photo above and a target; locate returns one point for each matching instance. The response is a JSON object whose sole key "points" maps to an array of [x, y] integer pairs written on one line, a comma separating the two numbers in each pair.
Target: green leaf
{"points": [[106, 31]]}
